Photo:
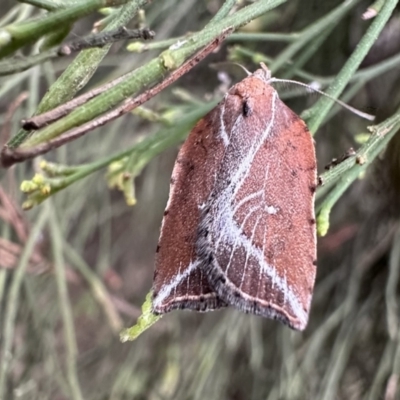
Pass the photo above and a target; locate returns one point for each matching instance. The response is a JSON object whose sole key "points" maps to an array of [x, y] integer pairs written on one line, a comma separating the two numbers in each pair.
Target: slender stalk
{"points": [[312, 31], [97, 287], [13, 300], [80, 70], [65, 306], [28, 32], [348, 171], [322, 107]]}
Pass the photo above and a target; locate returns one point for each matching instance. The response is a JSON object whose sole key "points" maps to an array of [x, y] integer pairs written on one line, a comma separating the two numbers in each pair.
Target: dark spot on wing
{"points": [[246, 110]]}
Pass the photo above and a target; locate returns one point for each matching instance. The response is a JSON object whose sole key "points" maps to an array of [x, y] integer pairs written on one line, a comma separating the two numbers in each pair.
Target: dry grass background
{"points": [[93, 262]]}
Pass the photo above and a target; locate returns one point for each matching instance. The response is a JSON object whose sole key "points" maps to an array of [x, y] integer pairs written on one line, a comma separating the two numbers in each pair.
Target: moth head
{"points": [[263, 73]]}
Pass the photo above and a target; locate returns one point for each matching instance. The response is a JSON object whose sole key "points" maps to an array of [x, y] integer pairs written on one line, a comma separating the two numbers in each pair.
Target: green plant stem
{"points": [[321, 108], [320, 337], [43, 323], [22, 64], [151, 72], [234, 37], [99, 292], [311, 32], [161, 44], [7, 18], [347, 96], [264, 37], [3, 279], [65, 306], [343, 344], [223, 11], [12, 82], [332, 198], [396, 364], [49, 5], [28, 32], [13, 300], [55, 38], [392, 307], [85, 64], [382, 371], [18, 64], [377, 142], [308, 52], [378, 69], [348, 171], [79, 71], [25, 11]]}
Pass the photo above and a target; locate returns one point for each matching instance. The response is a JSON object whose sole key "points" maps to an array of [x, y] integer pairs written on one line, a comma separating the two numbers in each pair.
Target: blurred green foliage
{"points": [[76, 268]]}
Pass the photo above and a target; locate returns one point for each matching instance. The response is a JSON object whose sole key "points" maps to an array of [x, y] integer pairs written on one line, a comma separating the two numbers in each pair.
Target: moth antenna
{"points": [[350, 108], [215, 65], [243, 68]]}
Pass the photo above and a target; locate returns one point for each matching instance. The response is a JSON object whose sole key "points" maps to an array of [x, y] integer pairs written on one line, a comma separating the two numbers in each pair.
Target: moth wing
{"points": [[256, 238], [179, 282]]}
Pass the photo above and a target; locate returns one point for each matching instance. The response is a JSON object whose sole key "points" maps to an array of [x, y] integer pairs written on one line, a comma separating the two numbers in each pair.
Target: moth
{"points": [[239, 227]]}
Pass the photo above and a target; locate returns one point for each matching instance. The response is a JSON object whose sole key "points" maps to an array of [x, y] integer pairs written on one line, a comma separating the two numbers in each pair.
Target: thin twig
{"points": [[103, 38]]}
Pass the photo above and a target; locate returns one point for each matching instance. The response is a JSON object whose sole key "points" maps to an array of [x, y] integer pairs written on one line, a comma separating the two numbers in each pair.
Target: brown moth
{"points": [[239, 227]]}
